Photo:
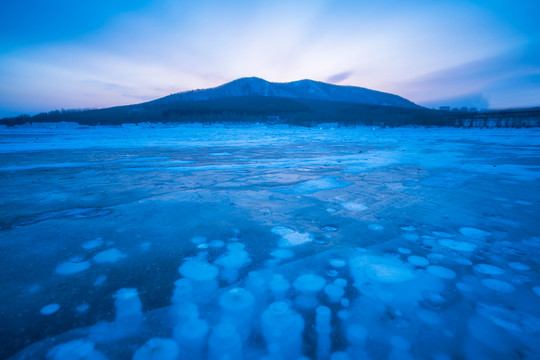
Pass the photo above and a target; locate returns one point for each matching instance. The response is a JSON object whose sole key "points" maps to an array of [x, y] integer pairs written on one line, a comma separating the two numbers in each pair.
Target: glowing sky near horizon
{"points": [[75, 54]]}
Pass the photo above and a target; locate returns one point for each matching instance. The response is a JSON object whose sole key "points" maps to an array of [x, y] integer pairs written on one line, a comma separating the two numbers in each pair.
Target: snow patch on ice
{"points": [[289, 237]]}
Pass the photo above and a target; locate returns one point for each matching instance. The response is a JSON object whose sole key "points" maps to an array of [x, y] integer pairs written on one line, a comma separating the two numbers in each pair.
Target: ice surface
{"points": [[272, 243]]}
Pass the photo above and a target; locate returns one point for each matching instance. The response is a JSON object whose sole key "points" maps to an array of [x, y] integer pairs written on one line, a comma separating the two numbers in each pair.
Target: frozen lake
{"points": [[270, 243]]}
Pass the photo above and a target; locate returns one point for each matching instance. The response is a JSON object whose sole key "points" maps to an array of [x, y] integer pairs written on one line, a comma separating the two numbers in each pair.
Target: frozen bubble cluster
{"points": [[270, 243]]}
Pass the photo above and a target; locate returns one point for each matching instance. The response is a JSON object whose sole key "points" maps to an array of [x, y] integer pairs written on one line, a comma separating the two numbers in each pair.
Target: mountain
{"points": [[302, 89], [304, 102]]}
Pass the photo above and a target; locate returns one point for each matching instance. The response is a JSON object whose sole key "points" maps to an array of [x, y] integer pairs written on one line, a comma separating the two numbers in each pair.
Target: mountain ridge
{"points": [[300, 89]]}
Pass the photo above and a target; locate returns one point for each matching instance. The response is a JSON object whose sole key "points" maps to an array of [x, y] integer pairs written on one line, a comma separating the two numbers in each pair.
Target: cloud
{"points": [[338, 78]]}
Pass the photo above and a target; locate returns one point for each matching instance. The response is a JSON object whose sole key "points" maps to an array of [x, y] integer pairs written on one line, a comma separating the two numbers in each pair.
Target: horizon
{"points": [[72, 56]]}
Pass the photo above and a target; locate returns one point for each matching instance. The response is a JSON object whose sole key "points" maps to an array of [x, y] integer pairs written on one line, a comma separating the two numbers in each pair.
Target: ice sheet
{"points": [[423, 243]]}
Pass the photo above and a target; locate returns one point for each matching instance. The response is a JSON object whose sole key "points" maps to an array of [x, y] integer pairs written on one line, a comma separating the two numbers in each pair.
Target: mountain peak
{"points": [[300, 89]]}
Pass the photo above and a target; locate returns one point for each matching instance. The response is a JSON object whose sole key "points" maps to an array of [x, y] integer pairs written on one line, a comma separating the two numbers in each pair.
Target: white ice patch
{"points": [[487, 269], [473, 232], [49, 309], [67, 267], [441, 271], [109, 255], [498, 285], [289, 237], [93, 244], [354, 206], [457, 245]]}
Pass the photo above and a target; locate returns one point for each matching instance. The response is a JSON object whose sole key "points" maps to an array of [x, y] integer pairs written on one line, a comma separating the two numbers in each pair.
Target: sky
{"points": [[92, 54]]}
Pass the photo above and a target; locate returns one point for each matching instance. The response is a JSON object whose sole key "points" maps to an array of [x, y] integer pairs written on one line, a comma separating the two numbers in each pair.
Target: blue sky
{"points": [[80, 54]]}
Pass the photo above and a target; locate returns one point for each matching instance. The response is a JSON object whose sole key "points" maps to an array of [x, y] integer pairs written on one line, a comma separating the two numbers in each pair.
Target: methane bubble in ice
{"points": [[109, 256], [308, 285], [237, 307], [67, 268], [191, 338], [404, 251], [442, 234], [536, 290], [498, 285], [337, 263], [408, 228], [232, 261], [519, 266], [329, 228], [279, 286], [457, 245], [354, 206], [341, 282], [224, 343], [80, 349], [488, 269], [203, 275], [282, 330], [388, 273], [441, 271], [419, 261], [93, 244], [157, 349], [375, 227], [334, 292], [510, 319], [49, 309], [473, 232], [82, 307]]}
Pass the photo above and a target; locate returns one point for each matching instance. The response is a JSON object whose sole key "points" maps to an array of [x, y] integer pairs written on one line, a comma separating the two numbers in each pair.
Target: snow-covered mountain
{"points": [[302, 89]]}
